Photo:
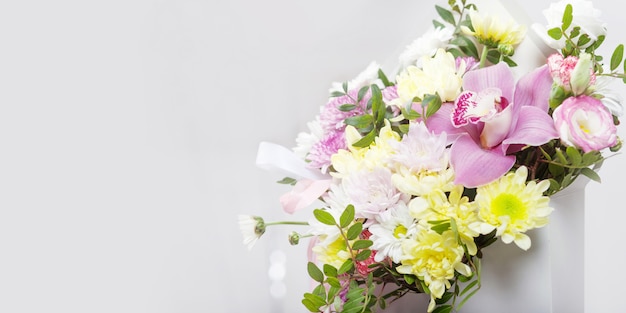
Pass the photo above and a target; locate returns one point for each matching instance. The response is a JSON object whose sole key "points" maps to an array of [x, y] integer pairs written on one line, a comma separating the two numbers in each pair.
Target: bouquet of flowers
{"points": [[413, 177]]}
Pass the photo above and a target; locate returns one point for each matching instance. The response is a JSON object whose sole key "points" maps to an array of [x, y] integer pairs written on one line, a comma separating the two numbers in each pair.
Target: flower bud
{"points": [[617, 146], [294, 238], [506, 49], [557, 95], [581, 75]]}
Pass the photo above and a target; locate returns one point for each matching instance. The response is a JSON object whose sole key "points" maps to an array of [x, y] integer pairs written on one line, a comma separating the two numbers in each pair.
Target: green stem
{"points": [[483, 57]]}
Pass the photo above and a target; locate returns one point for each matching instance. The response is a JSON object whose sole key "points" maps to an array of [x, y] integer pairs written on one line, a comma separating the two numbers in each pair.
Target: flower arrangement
{"points": [[412, 178]]}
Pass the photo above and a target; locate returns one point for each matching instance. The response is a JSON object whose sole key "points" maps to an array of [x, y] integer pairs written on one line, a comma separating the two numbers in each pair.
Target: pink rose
{"points": [[584, 122]]}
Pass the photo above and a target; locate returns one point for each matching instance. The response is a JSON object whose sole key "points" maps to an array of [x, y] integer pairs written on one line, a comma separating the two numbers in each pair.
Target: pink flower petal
{"points": [[474, 166], [440, 122], [534, 89], [495, 76], [534, 127]]}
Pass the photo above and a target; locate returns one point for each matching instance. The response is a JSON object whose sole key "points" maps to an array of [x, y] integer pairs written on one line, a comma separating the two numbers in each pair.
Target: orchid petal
{"points": [[440, 123], [534, 127], [474, 166], [534, 89], [497, 128], [495, 76]]}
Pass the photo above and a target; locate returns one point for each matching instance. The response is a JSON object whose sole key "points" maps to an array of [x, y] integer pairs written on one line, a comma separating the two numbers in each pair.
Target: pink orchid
{"points": [[492, 119]]}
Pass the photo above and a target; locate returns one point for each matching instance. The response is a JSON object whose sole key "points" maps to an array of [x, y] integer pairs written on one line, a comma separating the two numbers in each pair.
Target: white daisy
{"points": [[252, 228], [394, 226]]}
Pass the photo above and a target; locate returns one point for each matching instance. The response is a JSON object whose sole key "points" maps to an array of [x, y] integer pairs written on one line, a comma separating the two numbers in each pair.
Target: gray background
{"points": [[128, 137]]}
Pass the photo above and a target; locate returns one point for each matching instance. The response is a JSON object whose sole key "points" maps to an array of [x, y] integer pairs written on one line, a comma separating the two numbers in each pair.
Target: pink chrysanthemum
{"points": [[332, 119], [320, 153]]}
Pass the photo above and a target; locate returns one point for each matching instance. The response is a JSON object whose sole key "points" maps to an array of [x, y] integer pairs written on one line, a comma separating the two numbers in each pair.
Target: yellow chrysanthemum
{"points": [[438, 75], [492, 31], [434, 258], [357, 159], [335, 253], [436, 206], [513, 206], [423, 183]]}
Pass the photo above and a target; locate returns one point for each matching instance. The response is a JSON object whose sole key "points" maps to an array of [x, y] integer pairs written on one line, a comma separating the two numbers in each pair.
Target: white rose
{"points": [[584, 16]]}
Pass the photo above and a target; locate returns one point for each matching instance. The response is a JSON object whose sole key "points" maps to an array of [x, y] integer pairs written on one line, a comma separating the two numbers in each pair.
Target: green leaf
{"points": [[366, 140], [324, 217], [378, 106], [468, 47], [333, 281], [288, 181], [354, 231], [440, 228], [315, 299], [593, 175], [437, 24], [362, 244], [344, 87], [360, 121], [310, 305], [329, 270], [445, 15], [556, 33], [345, 267], [617, 57], [347, 216], [383, 78], [363, 255], [583, 40], [443, 309], [574, 156], [560, 156], [468, 287], [566, 21], [335, 94], [347, 107], [315, 272], [433, 103], [362, 93], [320, 290], [410, 114], [444, 298], [410, 279]]}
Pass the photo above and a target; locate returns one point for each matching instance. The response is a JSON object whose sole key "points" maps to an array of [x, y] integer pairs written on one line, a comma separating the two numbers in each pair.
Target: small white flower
{"points": [[394, 226], [306, 140], [252, 228], [426, 45]]}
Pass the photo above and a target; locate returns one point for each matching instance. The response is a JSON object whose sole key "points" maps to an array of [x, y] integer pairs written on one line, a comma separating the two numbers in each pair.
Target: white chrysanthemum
{"points": [[426, 45], [584, 15], [326, 233], [304, 140], [392, 227], [438, 206], [438, 75], [367, 77], [421, 162], [252, 227], [371, 192], [512, 207]]}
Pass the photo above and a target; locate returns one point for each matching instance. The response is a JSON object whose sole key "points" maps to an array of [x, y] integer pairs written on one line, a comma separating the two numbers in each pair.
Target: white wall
{"points": [[128, 136]]}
